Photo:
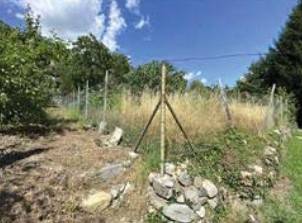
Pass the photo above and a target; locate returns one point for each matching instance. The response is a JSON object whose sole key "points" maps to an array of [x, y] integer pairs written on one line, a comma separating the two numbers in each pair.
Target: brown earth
{"points": [[45, 178]]}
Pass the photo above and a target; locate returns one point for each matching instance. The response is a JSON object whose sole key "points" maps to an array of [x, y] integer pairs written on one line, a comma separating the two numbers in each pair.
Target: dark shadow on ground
{"points": [[7, 202], [12, 157], [35, 130]]}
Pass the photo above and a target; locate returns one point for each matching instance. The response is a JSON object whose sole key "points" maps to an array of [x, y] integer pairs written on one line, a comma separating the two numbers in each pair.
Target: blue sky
{"points": [[165, 29]]}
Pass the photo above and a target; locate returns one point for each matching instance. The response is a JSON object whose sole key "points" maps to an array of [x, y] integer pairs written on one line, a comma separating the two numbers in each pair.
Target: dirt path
{"points": [[46, 178]]}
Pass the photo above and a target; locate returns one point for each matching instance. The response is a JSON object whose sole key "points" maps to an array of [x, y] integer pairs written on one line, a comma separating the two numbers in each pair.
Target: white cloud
{"points": [[204, 80], [19, 15], [143, 22], [133, 5], [68, 18], [195, 76], [115, 25], [192, 75]]}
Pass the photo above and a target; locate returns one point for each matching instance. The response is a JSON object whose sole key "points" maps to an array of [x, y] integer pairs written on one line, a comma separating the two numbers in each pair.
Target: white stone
{"points": [[198, 182], [133, 155], [153, 175], [180, 198], [110, 171], [156, 201], [210, 188], [213, 202], [116, 137], [114, 193], [170, 169], [192, 194], [127, 163], [102, 127], [258, 170], [201, 212], [245, 174], [97, 202], [163, 186], [184, 179], [269, 151], [180, 213]]}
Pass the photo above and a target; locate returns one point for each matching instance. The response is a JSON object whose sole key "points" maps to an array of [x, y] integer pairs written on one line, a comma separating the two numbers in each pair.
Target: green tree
{"points": [[148, 76], [90, 60], [26, 82], [198, 87], [282, 65]]}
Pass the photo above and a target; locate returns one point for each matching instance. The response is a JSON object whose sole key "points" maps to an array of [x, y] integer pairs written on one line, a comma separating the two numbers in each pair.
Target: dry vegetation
{"points": [[199, 115]]}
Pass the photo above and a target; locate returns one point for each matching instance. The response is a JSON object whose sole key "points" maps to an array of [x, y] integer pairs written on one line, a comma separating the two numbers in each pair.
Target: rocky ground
{"points": [[64, 177]]}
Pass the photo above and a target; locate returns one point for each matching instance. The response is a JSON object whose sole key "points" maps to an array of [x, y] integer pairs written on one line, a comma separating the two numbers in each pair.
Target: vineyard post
{"points": [[105, 96], [79, 98], [86, 99], [163, 120]]}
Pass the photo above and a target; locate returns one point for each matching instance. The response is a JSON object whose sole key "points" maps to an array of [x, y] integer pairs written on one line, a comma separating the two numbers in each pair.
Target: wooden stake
{"points": [[268, 122], [225, 103], [79, 98], [163, 120], [86, 99], [105, 97]]}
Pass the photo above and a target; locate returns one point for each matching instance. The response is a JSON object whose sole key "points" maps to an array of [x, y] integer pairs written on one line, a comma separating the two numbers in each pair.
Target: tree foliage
{"points": [[148, 76], [25, 78], [34, 68], [282, 65]]}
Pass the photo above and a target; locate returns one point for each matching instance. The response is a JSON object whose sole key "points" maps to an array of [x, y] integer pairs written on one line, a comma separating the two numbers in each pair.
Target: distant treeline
{"points": [[282, 65], [34, 68]]}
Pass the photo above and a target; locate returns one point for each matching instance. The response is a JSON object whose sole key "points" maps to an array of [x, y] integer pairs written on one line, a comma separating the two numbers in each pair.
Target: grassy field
{"points": [[285, 201]]}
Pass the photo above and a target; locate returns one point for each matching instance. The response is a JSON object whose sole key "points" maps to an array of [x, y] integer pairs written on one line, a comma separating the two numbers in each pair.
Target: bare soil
{"points": [[45, 178]]}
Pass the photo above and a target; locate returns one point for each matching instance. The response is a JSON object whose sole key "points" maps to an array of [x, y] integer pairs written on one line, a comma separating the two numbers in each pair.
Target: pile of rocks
{"points": [[180, 197], [259, 175]]}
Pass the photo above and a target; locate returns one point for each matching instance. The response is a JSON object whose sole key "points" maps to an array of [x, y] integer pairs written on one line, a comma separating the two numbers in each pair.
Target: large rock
{"points": [[163, 186], [179, 212], [191, 194], [184, 179], [98, 201], [116, 137], [110, 171], [210, 188], [156, 201]]}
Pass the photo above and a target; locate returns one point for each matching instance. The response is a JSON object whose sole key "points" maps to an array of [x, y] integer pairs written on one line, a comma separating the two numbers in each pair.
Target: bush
{"points": [[25, 79]]}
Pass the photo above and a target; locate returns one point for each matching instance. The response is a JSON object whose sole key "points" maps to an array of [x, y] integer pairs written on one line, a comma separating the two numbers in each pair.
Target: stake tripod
{"points": [[162, 103]]}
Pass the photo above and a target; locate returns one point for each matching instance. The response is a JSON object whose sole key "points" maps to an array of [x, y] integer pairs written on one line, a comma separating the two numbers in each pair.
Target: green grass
{"points": [[287, 207]]}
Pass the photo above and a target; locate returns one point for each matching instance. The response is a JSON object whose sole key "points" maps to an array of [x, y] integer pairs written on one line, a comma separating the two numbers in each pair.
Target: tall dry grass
{"points": [[199, 115]]}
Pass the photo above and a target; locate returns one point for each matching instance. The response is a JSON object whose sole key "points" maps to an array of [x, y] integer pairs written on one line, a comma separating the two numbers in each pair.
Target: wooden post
{"points": [[86, 99], [105, 97], [225, 103], [163, 120], [268, 122], [79, 98]]}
